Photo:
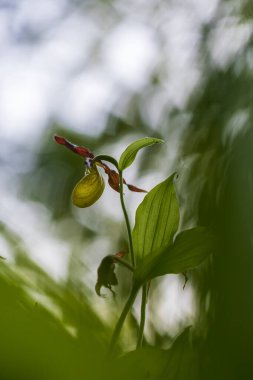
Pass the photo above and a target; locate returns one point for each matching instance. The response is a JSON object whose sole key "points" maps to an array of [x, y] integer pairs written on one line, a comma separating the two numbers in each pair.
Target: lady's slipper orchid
{"points": [[89, 189]]}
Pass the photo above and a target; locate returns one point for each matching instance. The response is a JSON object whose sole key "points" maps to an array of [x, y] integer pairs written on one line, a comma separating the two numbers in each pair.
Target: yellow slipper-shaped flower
{"points": [[89, 189]]}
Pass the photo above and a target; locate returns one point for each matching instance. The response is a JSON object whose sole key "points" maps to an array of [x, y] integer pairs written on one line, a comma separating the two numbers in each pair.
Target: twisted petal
{"points": [[80, 150], [89, 189], [114, 182]]}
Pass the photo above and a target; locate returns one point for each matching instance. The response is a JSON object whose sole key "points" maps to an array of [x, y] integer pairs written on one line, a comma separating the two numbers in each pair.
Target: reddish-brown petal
{"points": [[113, 180], [104, 166], [136, 189], [113, 177], [60, 140], [80, 150]]}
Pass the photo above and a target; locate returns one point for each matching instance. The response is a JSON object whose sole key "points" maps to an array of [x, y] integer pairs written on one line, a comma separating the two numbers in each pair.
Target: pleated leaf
{"points": [[190, 249], [157, 220]]}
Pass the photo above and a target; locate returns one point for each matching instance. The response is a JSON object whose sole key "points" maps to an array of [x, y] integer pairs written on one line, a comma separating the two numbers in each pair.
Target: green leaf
{"points": [[129, 154], [157, 220], [190, 248]]}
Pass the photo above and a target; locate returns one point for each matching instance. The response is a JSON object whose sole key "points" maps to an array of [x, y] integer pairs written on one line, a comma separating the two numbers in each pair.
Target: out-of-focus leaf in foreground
{"points": [[38, 344], [178, 363]]}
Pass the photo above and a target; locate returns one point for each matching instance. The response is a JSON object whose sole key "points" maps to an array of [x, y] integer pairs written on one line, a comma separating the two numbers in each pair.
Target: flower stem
{"points": [[143, 316], [135, 289], [126, 219], [122, 317]]}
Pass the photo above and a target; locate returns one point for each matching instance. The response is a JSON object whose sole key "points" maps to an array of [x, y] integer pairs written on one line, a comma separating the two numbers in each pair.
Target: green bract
{"points": [[128, 156]]}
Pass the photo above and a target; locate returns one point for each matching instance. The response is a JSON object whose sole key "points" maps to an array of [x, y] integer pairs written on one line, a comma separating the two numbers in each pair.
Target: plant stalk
{"points": [[126, 219], [135, 289], [143, 316], [122, 318]]}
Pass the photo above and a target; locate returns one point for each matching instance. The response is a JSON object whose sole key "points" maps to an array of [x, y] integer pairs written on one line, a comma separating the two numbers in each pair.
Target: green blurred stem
{"points": [[122, 317], [143, 316], [126, 219]]}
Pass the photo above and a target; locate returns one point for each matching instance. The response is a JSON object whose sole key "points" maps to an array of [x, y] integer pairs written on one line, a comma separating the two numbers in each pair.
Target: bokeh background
{"points": [[102, 74]]}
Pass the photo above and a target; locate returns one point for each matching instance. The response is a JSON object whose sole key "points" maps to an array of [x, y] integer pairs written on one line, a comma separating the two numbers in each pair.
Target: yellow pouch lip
{"points": [[89, 189]]}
